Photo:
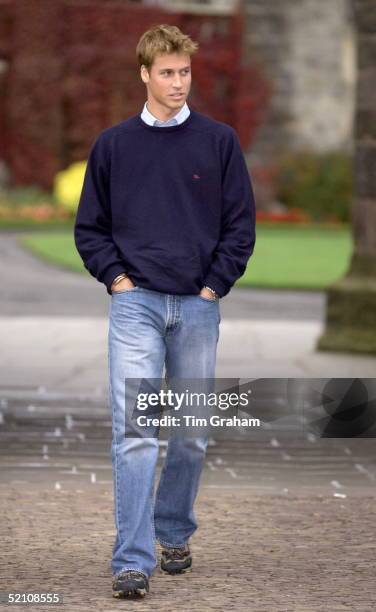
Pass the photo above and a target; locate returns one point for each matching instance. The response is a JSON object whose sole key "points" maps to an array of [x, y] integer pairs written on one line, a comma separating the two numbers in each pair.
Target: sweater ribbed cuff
{"points": [[214, 283], [111, 274]]}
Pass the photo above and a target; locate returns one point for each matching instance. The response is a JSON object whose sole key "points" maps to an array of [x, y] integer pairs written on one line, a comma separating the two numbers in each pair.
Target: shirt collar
{"points": [[181, 116]]}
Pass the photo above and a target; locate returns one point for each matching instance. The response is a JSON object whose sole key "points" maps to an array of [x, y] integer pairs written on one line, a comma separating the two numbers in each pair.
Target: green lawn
{"points": [[309, 257], [298, 257]]}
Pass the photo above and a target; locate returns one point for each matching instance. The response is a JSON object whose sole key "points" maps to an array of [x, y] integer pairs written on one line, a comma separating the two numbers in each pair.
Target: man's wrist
{"points": [[214, 293], [118, 279]]}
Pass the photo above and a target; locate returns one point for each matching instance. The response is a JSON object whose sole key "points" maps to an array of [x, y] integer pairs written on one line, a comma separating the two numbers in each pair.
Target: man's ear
{"points": [[144, 74]]}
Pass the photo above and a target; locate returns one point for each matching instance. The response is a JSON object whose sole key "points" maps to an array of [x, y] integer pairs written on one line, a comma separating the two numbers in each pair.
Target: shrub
{"points": [[319, 184], [26, 195], [68, 185], [29, 205]]}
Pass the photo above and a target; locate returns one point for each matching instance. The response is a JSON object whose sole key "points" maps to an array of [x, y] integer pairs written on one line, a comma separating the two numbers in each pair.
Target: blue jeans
{"points": [[148, 331]]}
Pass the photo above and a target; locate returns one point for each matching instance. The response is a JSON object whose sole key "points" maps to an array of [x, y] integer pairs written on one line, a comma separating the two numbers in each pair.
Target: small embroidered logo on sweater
{"points": [[196, 176]]}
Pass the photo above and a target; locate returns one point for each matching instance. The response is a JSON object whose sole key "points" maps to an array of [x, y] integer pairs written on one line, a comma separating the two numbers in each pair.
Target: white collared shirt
{"points": [[181, 116]]}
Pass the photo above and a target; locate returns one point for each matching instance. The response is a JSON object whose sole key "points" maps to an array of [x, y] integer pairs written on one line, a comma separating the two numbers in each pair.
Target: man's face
{"points": [[168, 83]]}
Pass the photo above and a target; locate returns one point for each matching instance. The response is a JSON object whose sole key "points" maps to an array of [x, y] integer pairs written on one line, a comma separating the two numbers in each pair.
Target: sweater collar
{"points": [[181, 116]]}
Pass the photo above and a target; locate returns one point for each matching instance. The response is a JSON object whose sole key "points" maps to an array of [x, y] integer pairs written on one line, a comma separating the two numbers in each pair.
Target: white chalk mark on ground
{"points": [[73, 471], [311, 438], [340, 495], [336, 484], [231, 472], [69, 423], [219, 461], [274, 442], [363, 470], [286, 456], [93, 478], [57, 486]]}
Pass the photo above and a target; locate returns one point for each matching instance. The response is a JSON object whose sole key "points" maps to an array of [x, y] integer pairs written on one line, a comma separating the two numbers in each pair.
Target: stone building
{"points": [[307, 50]]}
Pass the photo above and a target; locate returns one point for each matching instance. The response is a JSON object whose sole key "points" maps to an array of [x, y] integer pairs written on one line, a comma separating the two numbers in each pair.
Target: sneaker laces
{"points": [[178, 553], [130, 573]]}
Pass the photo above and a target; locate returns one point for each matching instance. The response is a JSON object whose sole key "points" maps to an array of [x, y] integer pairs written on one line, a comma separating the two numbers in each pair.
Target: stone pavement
{"points": [[287, 523], [252, 553], [69, 354]]}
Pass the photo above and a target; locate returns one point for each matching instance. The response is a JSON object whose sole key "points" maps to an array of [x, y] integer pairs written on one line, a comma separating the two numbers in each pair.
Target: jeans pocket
{"points": [[124, 291], [208, 299]]}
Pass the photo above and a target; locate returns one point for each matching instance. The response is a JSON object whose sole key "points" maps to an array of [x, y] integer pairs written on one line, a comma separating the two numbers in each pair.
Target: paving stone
{"points": [[251, 553]]}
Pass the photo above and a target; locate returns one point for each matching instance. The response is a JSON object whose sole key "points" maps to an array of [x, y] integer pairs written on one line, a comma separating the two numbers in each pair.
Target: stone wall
{"points": [[307, 50], [364, 208]]}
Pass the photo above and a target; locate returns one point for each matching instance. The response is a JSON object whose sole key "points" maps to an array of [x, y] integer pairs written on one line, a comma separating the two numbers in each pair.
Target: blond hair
{"points": [[163, 38]]}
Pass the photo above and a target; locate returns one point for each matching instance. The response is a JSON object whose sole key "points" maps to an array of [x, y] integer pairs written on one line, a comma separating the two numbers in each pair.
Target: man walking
{"points": [[166, 220]]}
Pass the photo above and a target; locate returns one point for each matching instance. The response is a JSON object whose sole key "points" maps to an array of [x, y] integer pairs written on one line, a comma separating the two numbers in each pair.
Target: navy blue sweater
{"points": [[172, 207]]}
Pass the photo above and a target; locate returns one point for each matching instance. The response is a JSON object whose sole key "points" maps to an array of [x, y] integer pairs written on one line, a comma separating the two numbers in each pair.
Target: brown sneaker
{"points": [[176, 560], [129, 583]]}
